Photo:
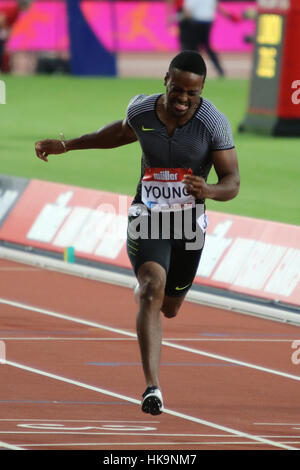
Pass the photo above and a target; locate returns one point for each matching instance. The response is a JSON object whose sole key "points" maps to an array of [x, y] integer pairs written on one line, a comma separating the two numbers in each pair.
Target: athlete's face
{"points": [[183, 90]]}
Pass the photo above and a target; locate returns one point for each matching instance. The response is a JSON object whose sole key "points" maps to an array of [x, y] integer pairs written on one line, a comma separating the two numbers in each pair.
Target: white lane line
{"points": [[207, 340], [133, 335], [137, 402], [50, 338], [152, 444], [278, 424], [81, 420], [39, 421], [89, 433], [129, 434], [10, 446], [44, 311], [233, 361]]}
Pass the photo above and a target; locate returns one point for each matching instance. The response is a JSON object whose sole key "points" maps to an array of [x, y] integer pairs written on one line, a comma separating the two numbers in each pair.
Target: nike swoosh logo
{"points": [[146, 129], [181, 288]]}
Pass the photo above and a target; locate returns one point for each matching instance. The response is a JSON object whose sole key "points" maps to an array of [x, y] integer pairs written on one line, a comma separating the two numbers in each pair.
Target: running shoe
{"points": [[152, 401]]}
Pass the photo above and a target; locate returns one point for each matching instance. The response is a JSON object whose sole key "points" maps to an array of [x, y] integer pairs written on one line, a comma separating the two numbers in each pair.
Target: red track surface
{"points": [[210, 401]]}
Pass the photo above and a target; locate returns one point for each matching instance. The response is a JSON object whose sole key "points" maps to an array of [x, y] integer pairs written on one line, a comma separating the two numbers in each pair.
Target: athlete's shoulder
{"points": [[211, 115], [217, 124], [140, 104]]}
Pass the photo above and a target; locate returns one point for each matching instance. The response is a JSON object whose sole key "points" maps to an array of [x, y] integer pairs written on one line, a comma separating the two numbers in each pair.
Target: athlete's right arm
{"points": [[112, 135]]}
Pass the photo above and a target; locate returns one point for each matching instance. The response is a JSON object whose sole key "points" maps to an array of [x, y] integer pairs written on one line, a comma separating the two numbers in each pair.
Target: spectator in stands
{"points": [[195, 21], [8, 15], [175, 13]]}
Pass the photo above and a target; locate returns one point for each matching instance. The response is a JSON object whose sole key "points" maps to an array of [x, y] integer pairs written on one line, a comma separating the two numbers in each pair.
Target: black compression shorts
{"points": [[172, 254]]}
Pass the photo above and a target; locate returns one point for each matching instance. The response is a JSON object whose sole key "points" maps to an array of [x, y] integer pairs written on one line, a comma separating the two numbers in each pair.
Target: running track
{"points": [[73, 378]]}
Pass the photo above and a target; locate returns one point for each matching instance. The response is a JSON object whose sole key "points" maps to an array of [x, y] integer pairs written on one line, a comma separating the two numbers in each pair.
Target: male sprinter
{"points": [[182, 136]]}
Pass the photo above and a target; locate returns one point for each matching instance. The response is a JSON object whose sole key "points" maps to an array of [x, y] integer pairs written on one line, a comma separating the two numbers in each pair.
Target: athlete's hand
{"points": [[43, 148], [196, 186]]}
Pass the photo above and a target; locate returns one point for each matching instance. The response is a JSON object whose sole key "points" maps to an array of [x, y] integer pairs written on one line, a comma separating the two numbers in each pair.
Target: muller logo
{"points": [[165, 176]]}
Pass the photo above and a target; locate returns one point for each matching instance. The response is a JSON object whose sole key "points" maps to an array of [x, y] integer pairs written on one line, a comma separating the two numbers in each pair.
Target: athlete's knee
{"points": [[152, 279], [151, 289]]}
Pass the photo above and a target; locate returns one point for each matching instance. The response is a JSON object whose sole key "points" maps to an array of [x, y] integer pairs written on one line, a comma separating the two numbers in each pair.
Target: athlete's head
{"points": [[189, 61], [184, 82]]}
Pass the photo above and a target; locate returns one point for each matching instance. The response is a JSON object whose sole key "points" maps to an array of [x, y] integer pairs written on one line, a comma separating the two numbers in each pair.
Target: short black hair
{"points": [[189, 61]]}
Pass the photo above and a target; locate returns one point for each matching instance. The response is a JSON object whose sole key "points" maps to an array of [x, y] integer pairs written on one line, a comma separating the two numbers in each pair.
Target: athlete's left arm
{"points": [[226, 166]]}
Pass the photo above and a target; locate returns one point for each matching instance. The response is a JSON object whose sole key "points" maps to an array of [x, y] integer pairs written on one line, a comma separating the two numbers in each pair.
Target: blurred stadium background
{"points": [[71, 76]]}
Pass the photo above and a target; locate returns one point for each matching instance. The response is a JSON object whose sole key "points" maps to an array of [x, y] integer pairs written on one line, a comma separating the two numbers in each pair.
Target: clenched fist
{"points": [[43, 148], [196, 186]]}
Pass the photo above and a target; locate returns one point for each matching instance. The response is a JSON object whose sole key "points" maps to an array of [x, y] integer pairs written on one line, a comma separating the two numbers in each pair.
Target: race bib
{"points": [[163, 189]]}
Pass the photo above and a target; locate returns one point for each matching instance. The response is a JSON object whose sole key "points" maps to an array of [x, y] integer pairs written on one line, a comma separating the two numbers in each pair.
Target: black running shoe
{"points": [[152, 401]]}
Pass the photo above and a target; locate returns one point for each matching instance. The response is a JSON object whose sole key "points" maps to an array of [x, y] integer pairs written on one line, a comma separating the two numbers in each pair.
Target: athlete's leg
{"points": [[171, 305], [187, 38], [152, 280], [182, 271], [206, 29]]}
